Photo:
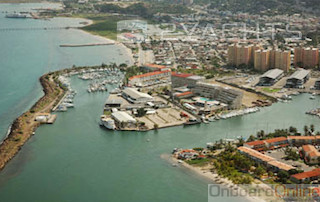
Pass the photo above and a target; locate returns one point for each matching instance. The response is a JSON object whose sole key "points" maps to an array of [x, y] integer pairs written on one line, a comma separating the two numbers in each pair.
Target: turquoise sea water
{"points": [[76, 160], [26, 55]]}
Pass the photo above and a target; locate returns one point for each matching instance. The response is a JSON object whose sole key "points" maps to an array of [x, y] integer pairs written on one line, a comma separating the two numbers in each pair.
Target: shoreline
{"points": [[217, 179], [24, 126]]}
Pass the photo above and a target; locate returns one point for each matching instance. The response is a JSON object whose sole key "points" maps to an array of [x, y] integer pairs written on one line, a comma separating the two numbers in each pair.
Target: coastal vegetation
{"points": [[103, 24]]}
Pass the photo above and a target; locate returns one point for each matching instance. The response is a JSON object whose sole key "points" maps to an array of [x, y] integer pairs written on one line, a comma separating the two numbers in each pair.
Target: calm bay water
{"points": [[75, 159]]}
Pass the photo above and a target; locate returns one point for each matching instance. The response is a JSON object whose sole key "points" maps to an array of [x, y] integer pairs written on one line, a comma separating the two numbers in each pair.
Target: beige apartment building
{"points": [[241, 54], [306, 57], [272, 59]]}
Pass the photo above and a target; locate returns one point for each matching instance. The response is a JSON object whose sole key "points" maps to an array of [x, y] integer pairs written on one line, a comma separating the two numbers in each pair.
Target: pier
{"points": [[33, 28], [83, 45]]}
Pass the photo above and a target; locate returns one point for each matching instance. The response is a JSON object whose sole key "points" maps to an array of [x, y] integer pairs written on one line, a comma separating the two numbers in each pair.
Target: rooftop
{"points": [[309, 174], [149, 74], [277, 139], [281, 165], [273, 73], [122, 117], [300, 74], [256, 154], [133, 93]]}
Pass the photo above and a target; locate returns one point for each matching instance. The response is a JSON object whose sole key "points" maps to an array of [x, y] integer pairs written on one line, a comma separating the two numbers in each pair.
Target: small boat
{"points": [[312, 97], [192, 121], [16, 15]]}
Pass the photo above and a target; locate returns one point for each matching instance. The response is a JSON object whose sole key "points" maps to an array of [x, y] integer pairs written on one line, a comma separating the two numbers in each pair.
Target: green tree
{"points": [[141, 112], [312, 128], [259, 171], [283, 176], [306, 130]]}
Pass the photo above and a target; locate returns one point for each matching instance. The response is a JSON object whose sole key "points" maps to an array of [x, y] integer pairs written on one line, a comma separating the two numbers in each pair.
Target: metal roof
{"points": [[114, 101], [273, 73], [133, 93], [122, 117], [300, 74]]}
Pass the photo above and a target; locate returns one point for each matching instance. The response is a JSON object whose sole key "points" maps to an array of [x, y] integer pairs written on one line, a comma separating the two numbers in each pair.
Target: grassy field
{"points": [[271, 90], [103, 25]]}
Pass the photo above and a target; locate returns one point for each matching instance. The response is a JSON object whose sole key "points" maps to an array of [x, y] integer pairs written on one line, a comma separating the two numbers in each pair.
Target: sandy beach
{"points": [[102, 39], [216, 179]]}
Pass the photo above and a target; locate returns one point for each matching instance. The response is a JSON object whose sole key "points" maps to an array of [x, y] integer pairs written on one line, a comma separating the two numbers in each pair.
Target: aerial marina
{"points": [[123, 83]]}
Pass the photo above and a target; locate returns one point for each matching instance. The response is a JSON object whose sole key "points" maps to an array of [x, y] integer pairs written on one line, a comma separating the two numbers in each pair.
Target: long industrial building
{"points": [[270, 77], [298, 78], [136, 97]]}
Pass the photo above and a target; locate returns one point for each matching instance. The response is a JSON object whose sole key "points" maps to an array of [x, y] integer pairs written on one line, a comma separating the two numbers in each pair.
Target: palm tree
{"points": [[312, 128], [306, 130]]}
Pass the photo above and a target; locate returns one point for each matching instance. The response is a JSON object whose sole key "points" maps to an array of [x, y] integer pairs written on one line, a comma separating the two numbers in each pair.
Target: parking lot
{"points": [[280, 155]]}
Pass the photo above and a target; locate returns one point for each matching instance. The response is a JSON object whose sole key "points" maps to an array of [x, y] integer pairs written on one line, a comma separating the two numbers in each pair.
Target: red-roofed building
{"points": [[151, 79], [306, 176], [154, 67], [259, 145], [276, 142], [188, 154], [301, 140], [310, 154], [272, 143]]}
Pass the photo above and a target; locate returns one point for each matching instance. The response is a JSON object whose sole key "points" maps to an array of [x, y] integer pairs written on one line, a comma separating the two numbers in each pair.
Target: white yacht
{"points": [[107, 122]]}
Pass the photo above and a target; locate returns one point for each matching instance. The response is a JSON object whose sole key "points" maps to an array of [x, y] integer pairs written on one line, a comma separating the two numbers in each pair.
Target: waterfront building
{"points": [[301, 140], [151, 78], [306, 57], [317, 84], [276, 142], [298, 78], [136, 97], [188, 154], [229, 96], [262, 145], [124, 120], [306, 176], [183, 79], [270, 77], [114, 103]]}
